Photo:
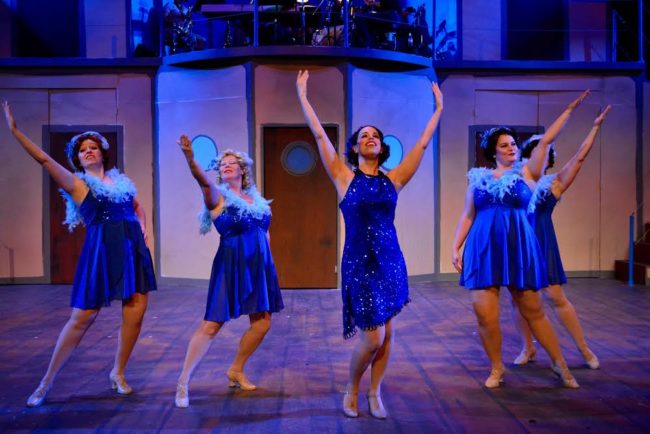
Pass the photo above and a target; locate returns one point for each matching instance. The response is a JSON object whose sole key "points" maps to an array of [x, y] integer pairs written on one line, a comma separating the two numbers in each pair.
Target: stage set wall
{"points": [[591, 220], [37, 100], [217, 103]]}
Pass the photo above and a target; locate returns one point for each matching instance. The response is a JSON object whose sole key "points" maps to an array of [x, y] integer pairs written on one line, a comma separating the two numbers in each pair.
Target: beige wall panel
{"points": [[592, 218], [21, 191], [459, 92], [16, 81], [193, 102], [618, 169], [135, 114], [83, 107], [576, 217], [275, 87], [401, 105]]}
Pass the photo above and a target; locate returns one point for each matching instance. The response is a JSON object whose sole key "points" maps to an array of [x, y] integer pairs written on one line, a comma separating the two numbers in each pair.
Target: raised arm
{"points": [[210, 192], [568, 173], [68, 181], [535, 165], [339, 173], [462, 229], [403, 173]]}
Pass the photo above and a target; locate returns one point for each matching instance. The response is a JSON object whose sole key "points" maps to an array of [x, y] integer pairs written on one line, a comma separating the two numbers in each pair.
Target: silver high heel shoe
{"points": [[182, 399], [119, 384], [239, 379], [495, 378], [567, 379], [350, 404], [524, 357], [376, 407], [37, 398], [591, 360]]}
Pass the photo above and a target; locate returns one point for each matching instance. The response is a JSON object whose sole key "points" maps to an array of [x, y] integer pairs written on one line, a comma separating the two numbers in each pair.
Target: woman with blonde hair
{"points": [[243, 279]]}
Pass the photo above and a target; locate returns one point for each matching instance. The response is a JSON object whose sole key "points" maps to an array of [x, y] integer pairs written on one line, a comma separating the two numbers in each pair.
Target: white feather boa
{"points": [[259, 208], [121, 189]]}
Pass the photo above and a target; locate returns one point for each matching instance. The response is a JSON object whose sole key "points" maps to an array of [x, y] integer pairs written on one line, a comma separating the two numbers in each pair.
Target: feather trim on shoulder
{"points": [[542, 189], [205, 221], [484, 179], [72, 215], [122, 189], [258, 209]]}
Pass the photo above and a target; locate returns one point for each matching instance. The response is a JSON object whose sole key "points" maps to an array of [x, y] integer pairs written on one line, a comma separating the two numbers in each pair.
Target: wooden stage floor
{"points": [[433, 385]]}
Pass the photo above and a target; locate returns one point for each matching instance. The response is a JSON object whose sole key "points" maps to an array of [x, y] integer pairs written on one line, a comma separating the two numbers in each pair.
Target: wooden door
{"points": [[65, 247], [303, 229]]}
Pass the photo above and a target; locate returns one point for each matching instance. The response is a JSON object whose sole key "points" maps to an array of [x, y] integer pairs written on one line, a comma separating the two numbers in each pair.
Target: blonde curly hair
{"points": [[245, 164]]}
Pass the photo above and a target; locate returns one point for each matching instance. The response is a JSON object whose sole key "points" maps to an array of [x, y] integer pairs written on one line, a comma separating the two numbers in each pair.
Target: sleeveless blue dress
{"points": [[373, 271], [501, 247], [115, 262], [540, 212], [243, 280]]}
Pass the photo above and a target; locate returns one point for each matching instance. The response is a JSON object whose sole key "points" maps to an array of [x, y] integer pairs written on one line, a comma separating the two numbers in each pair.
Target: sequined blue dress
{"points": [[243, 279], [501, 247], [373, 271], [540, 212], [115, 262]]}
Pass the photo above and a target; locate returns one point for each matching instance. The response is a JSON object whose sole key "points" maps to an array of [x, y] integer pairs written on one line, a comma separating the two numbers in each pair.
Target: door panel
{"points": [[65, 247], [303, 230]]}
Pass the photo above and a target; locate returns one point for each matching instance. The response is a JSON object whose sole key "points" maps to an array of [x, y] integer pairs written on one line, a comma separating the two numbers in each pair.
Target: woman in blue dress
{"points": [[546, 195], [373, 272], [501, 248], [115, 263], [243, 279]]}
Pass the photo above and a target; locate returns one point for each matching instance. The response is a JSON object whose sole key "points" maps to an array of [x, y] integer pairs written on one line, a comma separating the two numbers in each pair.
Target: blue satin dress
{"points": [[501, 247], [243, 279], [540, 213], [115, 262], [373, 271]]}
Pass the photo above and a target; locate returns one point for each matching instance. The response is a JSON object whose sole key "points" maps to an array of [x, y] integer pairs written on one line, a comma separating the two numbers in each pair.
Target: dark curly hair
{"points": [[72, 149], [490, 138], [353, 157], [530, 144]]}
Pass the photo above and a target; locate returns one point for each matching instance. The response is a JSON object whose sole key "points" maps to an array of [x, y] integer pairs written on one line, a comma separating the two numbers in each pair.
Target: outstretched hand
{"points": [[9, 117], [601, 117], [186, 146], [301, 83], [576, 102], [438, 94]]}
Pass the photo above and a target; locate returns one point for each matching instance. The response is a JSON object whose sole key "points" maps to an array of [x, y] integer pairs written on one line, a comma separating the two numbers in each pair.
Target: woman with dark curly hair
{"points": [[547, 193], [374, 283], [115, 263], [501, 247], [243, 279]]}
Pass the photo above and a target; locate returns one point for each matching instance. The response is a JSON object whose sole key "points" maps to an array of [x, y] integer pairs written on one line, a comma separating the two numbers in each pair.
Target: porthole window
{"points": [[299, 158], [205, 150], [396, 152]]}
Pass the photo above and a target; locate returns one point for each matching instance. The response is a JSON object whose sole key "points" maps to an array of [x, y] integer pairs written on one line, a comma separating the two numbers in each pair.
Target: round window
{"points": [[299, 158], [396, 152], [205, 150]]}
